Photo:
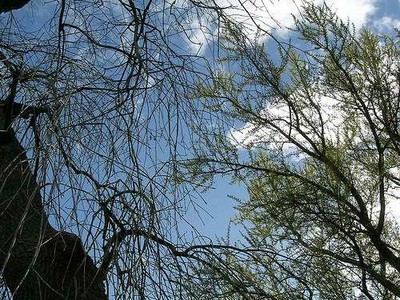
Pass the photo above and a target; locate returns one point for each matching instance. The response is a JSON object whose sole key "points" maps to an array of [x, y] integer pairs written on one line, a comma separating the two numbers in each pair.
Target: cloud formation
{"points": [[274, 15]]}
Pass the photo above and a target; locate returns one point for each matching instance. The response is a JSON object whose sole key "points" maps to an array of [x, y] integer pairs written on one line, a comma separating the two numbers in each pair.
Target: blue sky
{"points": [[217, 207], [380, 15]]}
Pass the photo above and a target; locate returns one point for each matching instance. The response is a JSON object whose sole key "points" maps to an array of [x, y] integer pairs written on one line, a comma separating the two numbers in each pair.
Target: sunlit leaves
{"points": [[318, 152]]}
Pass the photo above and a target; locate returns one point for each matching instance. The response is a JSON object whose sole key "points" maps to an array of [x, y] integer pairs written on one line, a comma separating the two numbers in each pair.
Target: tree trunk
{"points": [[37, 261], [8, 5]]}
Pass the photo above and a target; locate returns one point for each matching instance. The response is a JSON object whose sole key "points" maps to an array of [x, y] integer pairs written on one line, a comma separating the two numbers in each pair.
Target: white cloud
{"points": [[279, 14], [357, 11], [386, 24], [279, 113]]}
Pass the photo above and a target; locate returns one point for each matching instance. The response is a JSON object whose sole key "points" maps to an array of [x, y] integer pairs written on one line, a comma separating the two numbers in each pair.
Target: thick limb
{"points": [[8, 5], [38, 262]]}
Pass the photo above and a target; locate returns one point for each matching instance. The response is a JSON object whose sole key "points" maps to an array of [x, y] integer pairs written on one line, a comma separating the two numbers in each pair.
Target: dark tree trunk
{"points": [[38, 262], [8, 5]]}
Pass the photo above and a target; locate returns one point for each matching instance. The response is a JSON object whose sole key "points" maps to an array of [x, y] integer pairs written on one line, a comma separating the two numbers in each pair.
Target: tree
{"points": [[37, 260], [89, 208], [8, 5], [96, 143], [317, 145]]}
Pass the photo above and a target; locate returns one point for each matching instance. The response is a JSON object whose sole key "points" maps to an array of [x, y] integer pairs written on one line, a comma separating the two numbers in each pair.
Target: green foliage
{"points": [[318, 149]]}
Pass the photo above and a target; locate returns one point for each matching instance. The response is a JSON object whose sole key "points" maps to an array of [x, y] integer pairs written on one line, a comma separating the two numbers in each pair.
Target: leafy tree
{"points": [[316, 141]]}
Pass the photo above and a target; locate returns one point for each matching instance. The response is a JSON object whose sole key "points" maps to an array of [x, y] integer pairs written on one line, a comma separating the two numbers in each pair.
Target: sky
{"points": [[379, 15], [217, 207]]}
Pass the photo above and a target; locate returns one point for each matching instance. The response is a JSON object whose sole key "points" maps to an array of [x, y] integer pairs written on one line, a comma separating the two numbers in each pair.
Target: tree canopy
{"points": [[116, 116], [318, 150]]}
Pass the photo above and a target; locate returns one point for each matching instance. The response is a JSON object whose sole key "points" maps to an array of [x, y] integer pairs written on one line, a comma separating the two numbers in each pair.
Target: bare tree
{"points": [[37, 260], [93, 124]]}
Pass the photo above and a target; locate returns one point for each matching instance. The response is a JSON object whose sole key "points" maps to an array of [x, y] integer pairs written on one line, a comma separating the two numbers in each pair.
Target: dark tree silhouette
{"points": [[8, 5], [38, 262]]}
